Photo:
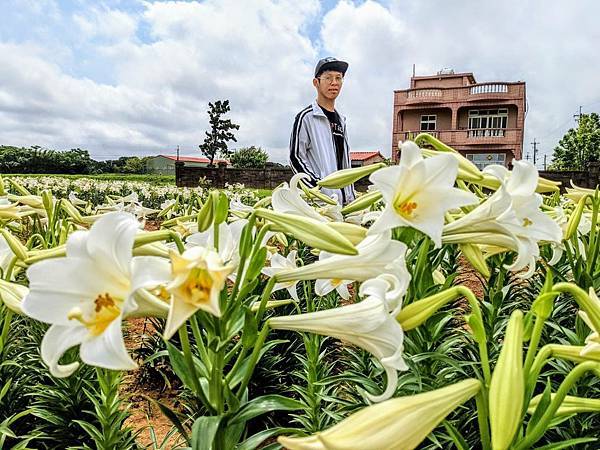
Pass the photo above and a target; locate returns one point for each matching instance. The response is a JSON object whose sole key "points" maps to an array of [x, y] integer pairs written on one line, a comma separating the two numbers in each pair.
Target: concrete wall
{"points": [[583, 178], [268, 178], [271, 177]]}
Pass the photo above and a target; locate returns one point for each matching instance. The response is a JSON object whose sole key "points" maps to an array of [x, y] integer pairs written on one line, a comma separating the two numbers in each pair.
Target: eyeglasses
{"points": [[329, 79]]}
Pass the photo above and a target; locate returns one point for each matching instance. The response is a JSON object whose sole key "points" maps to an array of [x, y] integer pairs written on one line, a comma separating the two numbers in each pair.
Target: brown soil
{"points": [[143, 412], [470, 278]]}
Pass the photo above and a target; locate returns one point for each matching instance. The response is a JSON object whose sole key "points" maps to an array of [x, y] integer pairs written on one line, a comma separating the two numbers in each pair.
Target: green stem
{"points": [[200, 342], [216, 381], [482, 343], [534, 342], [5, 329], [539, 429], [260, 340], [264, 298], [593, 247], [177, 239], [483, 419]]}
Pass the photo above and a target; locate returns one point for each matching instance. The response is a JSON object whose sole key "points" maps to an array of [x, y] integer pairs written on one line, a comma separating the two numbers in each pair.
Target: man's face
{"points": [[329, 84]]}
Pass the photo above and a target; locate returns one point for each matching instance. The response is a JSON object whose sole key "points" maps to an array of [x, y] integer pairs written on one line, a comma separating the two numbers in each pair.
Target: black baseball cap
{"points": [[330, 63]]}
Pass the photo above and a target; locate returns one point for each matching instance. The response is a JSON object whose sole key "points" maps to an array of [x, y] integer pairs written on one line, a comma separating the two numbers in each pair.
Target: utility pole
{"points": [[527, 156], [577, 116], [545, 161], [535, 150]]}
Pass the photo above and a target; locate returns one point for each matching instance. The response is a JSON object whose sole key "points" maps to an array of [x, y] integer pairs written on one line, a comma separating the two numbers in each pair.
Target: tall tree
{"points": [[215, 142], [579, 146]]}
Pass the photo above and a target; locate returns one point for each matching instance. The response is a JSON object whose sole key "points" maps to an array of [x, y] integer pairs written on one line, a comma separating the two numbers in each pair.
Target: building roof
{"points": [[446, 75], [191, 159], [361, 156]]}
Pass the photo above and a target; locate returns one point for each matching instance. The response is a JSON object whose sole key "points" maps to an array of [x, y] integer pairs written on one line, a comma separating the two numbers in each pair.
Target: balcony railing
{"points": [[449, 94], [469, 136], [489, 88], [420, 93]]}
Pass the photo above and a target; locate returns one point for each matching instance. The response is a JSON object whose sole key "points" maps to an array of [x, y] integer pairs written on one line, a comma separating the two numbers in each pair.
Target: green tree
{"points": [[215, 142], [249, 158], [579, 146]]}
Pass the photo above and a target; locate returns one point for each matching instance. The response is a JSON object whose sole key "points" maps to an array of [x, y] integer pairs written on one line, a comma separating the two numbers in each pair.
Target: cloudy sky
{"points": [[132, 77]]}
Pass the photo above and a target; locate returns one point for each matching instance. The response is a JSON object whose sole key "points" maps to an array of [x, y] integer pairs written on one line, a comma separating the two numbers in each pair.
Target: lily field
{"points": [[446, 307]]}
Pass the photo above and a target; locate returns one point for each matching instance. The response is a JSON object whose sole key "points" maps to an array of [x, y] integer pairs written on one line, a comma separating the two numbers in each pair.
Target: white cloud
{"points": [[121, 77], [105, 23]]}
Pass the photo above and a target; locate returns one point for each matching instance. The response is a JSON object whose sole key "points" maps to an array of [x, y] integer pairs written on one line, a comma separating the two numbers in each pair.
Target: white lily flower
{"points": [[288, 199], [75, 200], [325, 286], [388, 287], [278, 264], [511, 218], [229, 241], [86, 295], [418, 192], [376, 255], [199, 275], [367, 324]]}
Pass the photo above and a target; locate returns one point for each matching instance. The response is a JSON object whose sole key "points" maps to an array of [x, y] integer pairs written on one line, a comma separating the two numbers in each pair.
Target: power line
{"points": [[535, 150], [578, 116]]}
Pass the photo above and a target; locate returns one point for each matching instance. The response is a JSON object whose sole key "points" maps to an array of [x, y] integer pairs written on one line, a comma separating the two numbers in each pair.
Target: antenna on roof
{"points": [[178, 153]]}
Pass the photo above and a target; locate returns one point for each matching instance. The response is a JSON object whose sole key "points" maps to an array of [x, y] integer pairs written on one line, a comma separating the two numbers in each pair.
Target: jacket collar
{"points": [[317, 111]]}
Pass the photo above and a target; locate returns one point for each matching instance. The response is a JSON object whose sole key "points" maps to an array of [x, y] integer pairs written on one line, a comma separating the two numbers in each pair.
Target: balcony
{"points": [[475, 92], [472, 136]]}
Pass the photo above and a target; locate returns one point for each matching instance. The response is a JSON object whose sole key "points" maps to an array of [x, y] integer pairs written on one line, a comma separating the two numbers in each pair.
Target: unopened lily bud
{"points": [[2, 191], [206, 215], [9, 211], [48, 201], [220, 206], [316, 193], [575, 218], [398, 423], [570, 405], [12, 295], [473, 253], [355, 233], [346, 177], [418, 312], [282, 239], [507, 387], [468, 169], [438, 277], [271, 304], [35, 201], [70, 209], [310, 231], [14, 244], [262, 202], [362, 202], [18, 187], [544, 186]]}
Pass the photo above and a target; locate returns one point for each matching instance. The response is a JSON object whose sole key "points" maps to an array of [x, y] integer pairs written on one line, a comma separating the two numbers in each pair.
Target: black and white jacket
{"points": [[312, 149]]}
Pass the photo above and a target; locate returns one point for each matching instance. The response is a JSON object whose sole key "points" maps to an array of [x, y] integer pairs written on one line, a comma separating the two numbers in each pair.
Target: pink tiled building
{"points": [[483, 121]]}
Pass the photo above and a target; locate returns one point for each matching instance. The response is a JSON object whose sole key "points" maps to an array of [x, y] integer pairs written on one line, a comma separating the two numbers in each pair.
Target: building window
{"points": [[428, 123], [487, 122], [482, 160]]}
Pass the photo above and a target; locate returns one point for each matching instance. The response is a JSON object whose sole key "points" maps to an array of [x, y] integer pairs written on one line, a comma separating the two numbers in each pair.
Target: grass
{"points": [[149, 178]]}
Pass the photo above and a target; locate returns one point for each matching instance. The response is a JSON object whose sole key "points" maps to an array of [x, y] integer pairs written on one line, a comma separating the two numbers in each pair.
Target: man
{"points": [[319, 143]]}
